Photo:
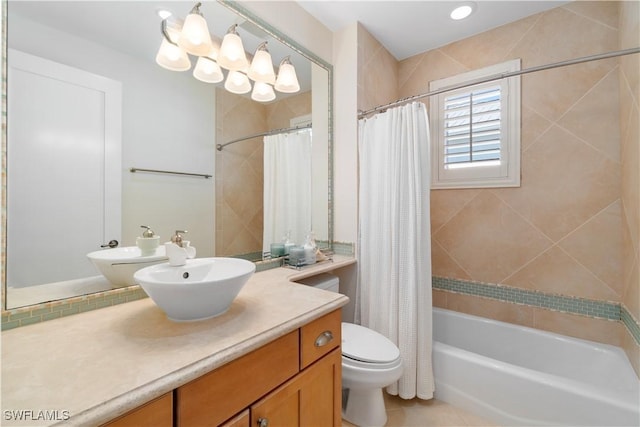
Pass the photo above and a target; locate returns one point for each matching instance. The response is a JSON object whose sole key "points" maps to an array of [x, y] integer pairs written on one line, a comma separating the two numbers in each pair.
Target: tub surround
{"points": [[101, 364], [578, 239]]}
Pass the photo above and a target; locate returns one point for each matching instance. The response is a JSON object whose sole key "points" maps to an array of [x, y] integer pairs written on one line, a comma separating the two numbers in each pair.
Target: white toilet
{"points": [[370, 362]]}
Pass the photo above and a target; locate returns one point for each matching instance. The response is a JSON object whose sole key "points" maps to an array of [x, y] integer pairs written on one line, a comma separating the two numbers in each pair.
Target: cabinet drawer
{"points": [[320, 337], [220, 394]]}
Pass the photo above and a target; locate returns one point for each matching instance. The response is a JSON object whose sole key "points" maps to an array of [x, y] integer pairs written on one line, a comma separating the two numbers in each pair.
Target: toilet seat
{"points": [[364, 347], [353, 363]]}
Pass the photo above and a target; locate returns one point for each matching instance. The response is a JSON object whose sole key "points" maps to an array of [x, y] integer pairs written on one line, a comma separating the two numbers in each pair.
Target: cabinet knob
{"points": [[263, 422], [324, 338]]}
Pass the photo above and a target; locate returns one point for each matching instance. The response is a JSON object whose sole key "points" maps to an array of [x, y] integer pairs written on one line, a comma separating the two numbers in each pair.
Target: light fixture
{"points": [[262, 92], [194, 37], [170, 55], [232, 55], [261, 69], [462, 11], [287, 81], [207, 70], [237, 82]]}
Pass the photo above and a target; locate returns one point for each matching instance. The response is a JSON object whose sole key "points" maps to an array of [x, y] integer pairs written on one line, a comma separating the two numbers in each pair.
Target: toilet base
{"points": [[365, 407]]}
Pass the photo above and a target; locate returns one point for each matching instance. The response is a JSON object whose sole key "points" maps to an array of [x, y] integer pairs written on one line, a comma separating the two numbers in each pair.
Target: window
{"points": [[475, 131]]}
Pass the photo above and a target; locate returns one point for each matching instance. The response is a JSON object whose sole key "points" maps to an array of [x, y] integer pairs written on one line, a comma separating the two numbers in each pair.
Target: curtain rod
{"points": [[267, 133], [580, 60]]}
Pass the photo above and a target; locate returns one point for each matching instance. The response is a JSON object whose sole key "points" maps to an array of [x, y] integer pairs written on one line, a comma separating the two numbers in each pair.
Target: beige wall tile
{"points": [[377, 72], [564, 183], [552, 92], [632, 349], [439, 298], [631, 175], [446, 203], [280, 113], [532, 127], [442, 265], [490, 47], [415, 75], [632, 294], [556, 272], [489, 240], [604, 12], [603, 259], [605, 331], [596, 117], [492, 309]]}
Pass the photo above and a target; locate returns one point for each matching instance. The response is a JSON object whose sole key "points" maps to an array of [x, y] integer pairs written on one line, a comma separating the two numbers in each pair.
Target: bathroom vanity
{"points": [[274, 358]]}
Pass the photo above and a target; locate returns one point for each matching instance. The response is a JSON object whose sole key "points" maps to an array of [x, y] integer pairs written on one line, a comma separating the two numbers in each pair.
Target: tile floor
{"points": [[427, 413]]}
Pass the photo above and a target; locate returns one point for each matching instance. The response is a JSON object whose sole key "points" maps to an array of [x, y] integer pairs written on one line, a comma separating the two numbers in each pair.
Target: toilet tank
{"points": [[324, 281]]}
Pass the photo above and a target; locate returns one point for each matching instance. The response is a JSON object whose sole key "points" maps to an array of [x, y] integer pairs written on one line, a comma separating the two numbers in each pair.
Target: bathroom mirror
{"points": [[170, 122]]}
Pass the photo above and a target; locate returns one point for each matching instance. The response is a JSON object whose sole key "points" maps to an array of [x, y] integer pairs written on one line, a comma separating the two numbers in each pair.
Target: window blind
{"points": [[472, 127]]}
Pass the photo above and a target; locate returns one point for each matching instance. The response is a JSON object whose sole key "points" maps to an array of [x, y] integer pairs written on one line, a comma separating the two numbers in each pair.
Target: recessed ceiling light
{"points": [[462, 11], [163, 13]]}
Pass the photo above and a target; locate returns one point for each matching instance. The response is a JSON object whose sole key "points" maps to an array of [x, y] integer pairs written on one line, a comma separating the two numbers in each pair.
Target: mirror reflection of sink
{"points": [[201, 289], [119, 264]]}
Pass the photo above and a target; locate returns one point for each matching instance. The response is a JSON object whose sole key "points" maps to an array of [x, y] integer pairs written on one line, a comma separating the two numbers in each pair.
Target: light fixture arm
{"points": [[196, 9], [286, 60], [165, 33], [262, 46], [232, 30]]}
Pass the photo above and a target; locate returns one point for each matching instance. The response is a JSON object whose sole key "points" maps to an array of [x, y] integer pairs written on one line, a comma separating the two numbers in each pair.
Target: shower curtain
{"points": [[287, 187], [394, 241]]}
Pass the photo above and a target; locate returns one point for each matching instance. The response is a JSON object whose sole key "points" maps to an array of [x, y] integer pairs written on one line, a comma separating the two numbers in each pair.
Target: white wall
{"points": [[345, 89], [168, 123]]}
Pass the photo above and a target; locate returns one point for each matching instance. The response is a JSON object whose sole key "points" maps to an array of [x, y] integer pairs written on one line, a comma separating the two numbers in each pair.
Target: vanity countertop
{"points": [[100, 364]]}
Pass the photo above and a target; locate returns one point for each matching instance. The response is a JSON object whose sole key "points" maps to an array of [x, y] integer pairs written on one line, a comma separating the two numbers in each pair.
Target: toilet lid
{"points": [[367, 345]]}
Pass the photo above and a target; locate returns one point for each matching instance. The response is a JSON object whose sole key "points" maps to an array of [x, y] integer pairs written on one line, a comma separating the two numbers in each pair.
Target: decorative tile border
{"points": [[631, 324], [52, 310], [572, 305], [344, 248]]}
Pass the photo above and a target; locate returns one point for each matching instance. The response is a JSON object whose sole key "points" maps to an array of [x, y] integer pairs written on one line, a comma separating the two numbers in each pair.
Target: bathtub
{"points": [[515, 375]]}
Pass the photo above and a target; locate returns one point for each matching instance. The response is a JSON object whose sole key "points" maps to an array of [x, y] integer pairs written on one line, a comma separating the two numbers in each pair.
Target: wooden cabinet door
{"points": [[240, 420], [157, 413], [312, 399], [279, 408], [321, 392]]}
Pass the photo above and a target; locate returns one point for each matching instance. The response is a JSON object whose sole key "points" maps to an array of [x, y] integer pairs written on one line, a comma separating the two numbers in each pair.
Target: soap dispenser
{"points": [[149, 242]]}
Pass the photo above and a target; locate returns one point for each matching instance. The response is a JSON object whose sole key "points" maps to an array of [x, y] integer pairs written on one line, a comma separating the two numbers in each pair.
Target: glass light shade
{"points": [[207, 71], [262, 92], [232, 55], [194, 37], [261, 69], [237, 83], [287, 81], [172, 57]]}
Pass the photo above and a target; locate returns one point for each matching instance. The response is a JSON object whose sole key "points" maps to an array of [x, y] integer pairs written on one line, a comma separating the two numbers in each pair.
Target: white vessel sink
{"points": [[119, 264], [201, 289]]}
